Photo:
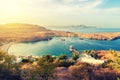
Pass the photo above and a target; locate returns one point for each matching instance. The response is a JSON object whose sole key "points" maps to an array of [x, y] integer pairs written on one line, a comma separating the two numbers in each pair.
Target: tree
{"points": [[64, 63], [63, 57], [2, 55], [75, 55], [92, 53], [47, 58], [6, 66], [45, 69]]}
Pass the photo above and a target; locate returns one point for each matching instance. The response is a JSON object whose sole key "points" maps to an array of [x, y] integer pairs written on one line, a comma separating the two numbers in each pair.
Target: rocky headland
{"points": [[18, 32]]}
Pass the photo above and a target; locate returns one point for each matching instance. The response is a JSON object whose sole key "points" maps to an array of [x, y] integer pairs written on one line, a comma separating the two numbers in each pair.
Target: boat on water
{"points": [[71, 48], [62, 39], [81, 38]]}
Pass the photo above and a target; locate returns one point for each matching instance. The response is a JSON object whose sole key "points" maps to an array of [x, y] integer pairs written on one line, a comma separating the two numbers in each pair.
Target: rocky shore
{"points": [[102, 36], [95, 36], [47, 35], [31, 33]]}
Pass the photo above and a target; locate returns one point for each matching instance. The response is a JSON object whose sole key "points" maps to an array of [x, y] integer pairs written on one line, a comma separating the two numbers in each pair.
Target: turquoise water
{"points": [[56, 46]]}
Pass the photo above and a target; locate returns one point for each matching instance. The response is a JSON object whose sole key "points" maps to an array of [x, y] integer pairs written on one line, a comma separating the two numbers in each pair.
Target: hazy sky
{"points": [[102, 13]]}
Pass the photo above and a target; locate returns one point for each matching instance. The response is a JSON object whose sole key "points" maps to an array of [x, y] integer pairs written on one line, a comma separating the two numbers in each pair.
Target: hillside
{"points": [[21, 27], [18, 32]]}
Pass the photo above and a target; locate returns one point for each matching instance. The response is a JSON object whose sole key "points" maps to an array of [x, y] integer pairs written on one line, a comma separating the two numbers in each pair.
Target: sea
{"points": [[57, 46]]}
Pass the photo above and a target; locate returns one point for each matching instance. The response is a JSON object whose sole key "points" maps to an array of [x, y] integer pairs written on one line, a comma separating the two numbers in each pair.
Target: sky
{"points": [[101, 13]]}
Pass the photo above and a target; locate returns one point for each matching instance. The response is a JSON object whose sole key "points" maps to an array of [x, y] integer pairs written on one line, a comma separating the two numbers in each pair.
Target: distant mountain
{"points": [[58, 27], [79, 26]]}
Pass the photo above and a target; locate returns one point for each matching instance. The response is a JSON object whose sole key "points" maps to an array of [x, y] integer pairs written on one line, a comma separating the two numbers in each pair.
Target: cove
{"points": [[57, 46]]}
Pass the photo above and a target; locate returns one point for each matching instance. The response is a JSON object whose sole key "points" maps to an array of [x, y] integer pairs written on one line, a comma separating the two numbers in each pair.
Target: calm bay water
{"points": [[56, 46]]}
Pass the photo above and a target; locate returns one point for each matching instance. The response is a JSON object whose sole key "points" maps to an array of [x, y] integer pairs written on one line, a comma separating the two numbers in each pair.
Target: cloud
{"points": [[64, 6], [49, 7], [55, 11]]}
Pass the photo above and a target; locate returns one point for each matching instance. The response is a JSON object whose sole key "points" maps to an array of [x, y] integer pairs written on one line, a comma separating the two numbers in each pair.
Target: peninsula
{"points": [[19, 32]]}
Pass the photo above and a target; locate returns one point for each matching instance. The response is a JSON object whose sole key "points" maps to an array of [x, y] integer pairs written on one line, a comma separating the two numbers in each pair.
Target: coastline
{"points": [[5, 47], [93, 36], [44, 34], [102, 36]]}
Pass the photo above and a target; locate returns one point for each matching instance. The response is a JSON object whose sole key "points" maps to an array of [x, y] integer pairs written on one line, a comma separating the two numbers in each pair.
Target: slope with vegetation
{"points": [[55, 68]]}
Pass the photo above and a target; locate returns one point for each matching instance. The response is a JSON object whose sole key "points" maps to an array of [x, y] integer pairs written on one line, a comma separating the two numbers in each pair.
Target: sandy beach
{"points": [[5, 47]]}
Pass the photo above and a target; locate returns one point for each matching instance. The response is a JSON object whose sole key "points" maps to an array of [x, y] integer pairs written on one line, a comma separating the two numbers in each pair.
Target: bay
{"points": [[56, 46]]}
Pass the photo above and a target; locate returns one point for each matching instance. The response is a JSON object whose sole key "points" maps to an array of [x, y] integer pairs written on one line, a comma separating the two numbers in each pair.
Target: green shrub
{"points": [[25, 60], [47, 58], [75, 55], [45, 67], [63, 57], [64, 63], [6, 67]]}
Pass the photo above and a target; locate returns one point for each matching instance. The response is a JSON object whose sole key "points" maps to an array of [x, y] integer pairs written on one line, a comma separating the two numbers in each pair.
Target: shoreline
{"points": [[92, 36], [33, 33], [5, 47]]}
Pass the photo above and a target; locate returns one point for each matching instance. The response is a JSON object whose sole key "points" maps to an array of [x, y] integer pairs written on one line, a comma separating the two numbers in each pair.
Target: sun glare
{"points": [[11, 9]]}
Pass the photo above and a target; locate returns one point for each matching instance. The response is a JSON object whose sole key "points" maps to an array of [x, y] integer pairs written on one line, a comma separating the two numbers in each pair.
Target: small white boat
{"points": [[71, 48]]}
